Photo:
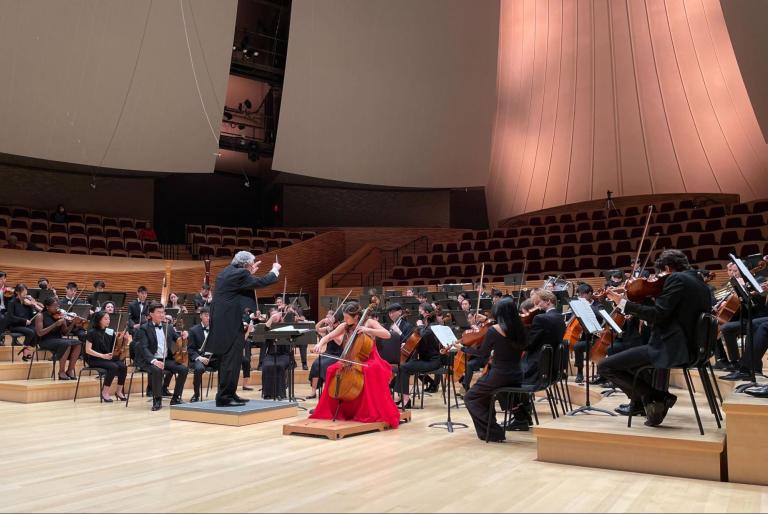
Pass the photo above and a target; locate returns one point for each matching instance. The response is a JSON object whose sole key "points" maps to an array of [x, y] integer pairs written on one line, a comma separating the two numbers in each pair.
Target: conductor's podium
{"points": [[255, 411]]}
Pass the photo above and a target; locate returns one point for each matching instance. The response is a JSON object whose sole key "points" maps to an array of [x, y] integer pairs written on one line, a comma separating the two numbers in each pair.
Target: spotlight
{"points": [[234, 47], [93, 183], [255, 53], [227, 115], [247, 183], [248, 104]]}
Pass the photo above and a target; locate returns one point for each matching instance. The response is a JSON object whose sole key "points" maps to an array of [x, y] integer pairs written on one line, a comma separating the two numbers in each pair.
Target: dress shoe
{"points": [[579, 378], [598, 380], [630, 409], [121, 398], [407, 405], [304, 367], [176, 401], [657, 410], [229, 403], [107, 399], [194, 399], [167, 393], [737, 375], [156, 405], [517, 425], [724, 365], [311, 396], [757, 391], [240, 399], [247, 388]]}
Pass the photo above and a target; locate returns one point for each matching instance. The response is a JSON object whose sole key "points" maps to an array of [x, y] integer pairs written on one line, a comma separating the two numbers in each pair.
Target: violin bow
{"points": [[520, 296], [479, 293], [114, 343], [642, 240], [647, 257], [341, 304]]}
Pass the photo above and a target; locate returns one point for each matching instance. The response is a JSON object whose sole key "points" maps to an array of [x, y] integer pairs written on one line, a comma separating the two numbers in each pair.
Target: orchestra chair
{"points": [[35, 355], [135, 369], [15, 336], [101, 372], [547, 375], [705, 337], [445, 374]]}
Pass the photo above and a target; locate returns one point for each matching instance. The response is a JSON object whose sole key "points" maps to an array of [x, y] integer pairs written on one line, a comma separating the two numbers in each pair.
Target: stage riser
{"points": [[747, 451]]}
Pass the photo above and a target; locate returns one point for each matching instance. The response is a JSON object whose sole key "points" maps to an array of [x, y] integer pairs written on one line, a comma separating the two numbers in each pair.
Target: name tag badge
{"points": [[110, 332]]}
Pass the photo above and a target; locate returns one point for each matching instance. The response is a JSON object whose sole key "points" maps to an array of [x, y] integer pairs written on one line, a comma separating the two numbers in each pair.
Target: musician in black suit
{"points": [[137, 309], [400, 330], [203, 298], [233, 285], [154, 343], [673, 318], [70, 299], [98, 287], [199, 356], [586, 293], [3, 305], [546, 329], [425, 358]]}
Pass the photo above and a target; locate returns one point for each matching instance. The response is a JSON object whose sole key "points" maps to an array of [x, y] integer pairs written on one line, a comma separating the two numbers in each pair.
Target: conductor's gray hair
{"points": [[242, 259]]}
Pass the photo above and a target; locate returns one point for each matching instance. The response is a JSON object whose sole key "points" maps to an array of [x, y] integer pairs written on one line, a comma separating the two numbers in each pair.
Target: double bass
{"points": [[347, 383]]}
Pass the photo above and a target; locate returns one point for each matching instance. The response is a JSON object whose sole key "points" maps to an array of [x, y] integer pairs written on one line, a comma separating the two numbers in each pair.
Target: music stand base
{"points": [[588, 408], [448, 425]]}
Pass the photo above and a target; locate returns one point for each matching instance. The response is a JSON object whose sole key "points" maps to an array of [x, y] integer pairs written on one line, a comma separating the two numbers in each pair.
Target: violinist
{"points": [[507, 340], [425, 358], [274, 360], [585, 292], [70, 299], [476, 361], [290, 315], [614, 278], [199, 358], [137, 309], [374, 403], [319, 368], [173, 303], [474, 319], [6, 293], [21, 312], [44, 285], [497, 296], [98, 353], [673, 318], [50, 327], [154, 348], [203, 298], [409, 292]]}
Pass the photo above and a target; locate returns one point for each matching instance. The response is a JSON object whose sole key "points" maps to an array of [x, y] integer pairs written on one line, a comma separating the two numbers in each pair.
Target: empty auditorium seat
{"points": [[729, 237], [598, 225], [229, 240], [223, 252], [551, 251], [539, 231], [754, 220], [705, 254], [21, 234], [228, 231], [760, 206], [494, 244], [102, 252], [716, 211], [753, 234], [707, 238], [516, 254], [133, 245], [38, 237], [213, 240], [479, 245]]}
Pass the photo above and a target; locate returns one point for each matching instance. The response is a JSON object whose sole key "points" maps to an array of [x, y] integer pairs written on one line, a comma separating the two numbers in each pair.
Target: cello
{"points": [[347, 383]]}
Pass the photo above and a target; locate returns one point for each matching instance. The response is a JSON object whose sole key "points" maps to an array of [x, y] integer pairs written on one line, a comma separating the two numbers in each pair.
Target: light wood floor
{"points": [[87, 457]]}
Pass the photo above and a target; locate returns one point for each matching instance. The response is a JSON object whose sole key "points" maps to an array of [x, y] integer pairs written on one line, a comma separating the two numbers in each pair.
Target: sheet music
{"points": [[609, 321], [444, 334], [584, 312], [290, 328]]}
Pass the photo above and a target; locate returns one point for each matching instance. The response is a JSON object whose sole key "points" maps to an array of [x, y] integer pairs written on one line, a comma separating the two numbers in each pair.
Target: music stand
{"points": [[81, 309], [486, 304], [586, 316], [449, 304], [103, 297], [452, 288], [745, 295], [118, 323], [460, 319], [446, 337]]}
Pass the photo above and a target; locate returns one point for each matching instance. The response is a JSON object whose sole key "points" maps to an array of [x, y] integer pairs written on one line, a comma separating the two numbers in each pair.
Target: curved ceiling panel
{"points": [[111, 84]]}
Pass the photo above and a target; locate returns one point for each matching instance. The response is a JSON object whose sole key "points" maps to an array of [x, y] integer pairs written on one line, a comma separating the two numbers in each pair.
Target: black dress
{"points": [[273, 370], [16, 318], [54, 341], [320, 366], [506, 371], [102, 342]]}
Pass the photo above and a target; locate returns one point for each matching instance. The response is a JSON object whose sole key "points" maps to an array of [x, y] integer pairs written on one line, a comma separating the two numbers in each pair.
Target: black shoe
{"points": [[176, 401], [758, 391], [258, 368], [229, 403], [167, 393], [630, 409], [579, 378], [311, 396], [657, 410], [304, 367], [247, 388], [738, 375], [121, 398], [517, 425], [194, 399], [157, 405], [724, 365], [107, 400], [407, 405], [240, 399], [599, 381]]}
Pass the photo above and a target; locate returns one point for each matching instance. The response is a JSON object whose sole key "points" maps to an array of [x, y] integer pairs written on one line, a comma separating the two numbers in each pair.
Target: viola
{"points": [[347, 383], [527, 318], [70, 317], [639, 288], [470, 337], [180, 353]]}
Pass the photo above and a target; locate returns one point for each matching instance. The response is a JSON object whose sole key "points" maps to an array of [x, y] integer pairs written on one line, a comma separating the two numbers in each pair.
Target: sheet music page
{"points": [[443, 334], [585, 313]]}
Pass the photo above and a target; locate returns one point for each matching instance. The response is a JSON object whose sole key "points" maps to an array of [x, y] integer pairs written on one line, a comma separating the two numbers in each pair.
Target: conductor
{"points": [[234, 288]]}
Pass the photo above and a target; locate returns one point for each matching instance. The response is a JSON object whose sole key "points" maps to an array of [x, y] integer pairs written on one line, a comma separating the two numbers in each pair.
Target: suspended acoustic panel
{"points": [[633, 96]]}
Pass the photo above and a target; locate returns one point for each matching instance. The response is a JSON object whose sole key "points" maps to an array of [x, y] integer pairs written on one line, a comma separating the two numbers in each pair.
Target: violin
{"points": [[347, 383], [470, 337], [640, 288], [31, 302], [599, 350], [8, 293], [70, 317], [180, 353], [527, 318]]}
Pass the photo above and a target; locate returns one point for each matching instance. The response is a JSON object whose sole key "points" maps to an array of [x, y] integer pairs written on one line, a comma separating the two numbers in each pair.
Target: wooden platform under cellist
{"points": [[335, 430]]}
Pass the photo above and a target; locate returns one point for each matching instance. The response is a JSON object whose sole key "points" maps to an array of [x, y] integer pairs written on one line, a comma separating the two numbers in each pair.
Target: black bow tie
{"points": [[158, 326]]}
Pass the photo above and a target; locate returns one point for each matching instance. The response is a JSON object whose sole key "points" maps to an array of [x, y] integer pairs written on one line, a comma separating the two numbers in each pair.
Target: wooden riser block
{"points": [[335, 430], [747, 451], [676, 379], [255, 411]]}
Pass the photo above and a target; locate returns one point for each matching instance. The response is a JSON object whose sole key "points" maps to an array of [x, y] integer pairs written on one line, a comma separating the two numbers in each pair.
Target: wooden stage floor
{"points": [[87, 457]]}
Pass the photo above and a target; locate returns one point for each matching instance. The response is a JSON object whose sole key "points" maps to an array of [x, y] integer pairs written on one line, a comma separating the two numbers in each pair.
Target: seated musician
{"points": [[507, 340], [137, 309], [614, 278], [673, 319], [320, 366], [98, 287], [154, 346], [21, 311], [400, 330], [496, 296], [425, 358], [71, 298], [99, 345], [374, 403], [3, 302], [291, 315], [203, 298], [585, 292], [546, 329], [476, 361], [274, 363], [409, 292], [51, 327], [199, 359], [173, 303], [752, 358]]}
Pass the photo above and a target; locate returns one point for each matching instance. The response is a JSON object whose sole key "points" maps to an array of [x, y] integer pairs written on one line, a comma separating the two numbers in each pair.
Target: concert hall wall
{"points": [[114, 195], [637, 97]]}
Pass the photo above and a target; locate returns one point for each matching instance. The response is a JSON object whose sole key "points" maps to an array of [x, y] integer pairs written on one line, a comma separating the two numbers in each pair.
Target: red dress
{"points": [[374, 404]]}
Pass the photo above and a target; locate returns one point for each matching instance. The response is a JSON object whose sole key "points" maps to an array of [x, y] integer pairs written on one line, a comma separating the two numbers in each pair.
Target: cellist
{"points": [[374, 403], [585, 292], [425, 358]]}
